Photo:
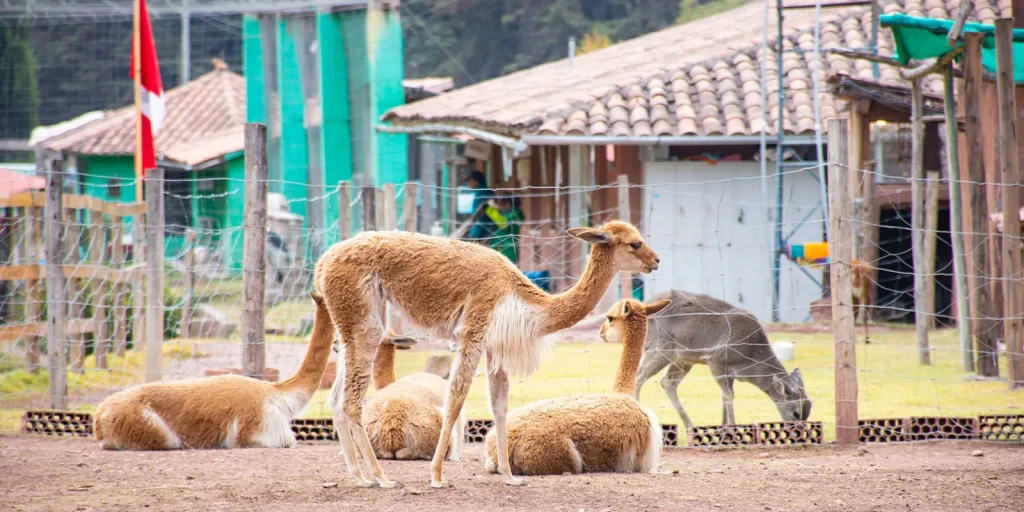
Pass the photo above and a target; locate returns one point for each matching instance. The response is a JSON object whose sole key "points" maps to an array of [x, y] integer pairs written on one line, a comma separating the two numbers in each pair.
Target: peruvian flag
{"points": [[151, 95]]}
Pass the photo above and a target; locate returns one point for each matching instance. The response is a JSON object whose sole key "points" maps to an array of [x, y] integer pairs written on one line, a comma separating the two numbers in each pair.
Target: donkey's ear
{"points": [[590, 235], [655, 307], [798, 378]]}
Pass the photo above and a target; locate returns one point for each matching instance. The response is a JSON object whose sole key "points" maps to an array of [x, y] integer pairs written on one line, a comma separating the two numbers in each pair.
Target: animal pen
{"points": [[89, 308]]}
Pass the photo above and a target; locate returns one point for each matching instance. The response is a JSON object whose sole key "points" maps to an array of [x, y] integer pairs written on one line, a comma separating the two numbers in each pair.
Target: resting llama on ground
{"points": [[403, 418], [227, 411], [590, 433], [460, 291]]}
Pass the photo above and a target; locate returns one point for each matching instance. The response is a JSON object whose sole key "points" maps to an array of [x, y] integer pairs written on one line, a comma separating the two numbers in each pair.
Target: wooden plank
{"points": [[19, 272], [121, 291], [138, 283], [410, 213], [56, 300], [344, 215], [255, 273], [33, 309], [956, 219], [75, 287], [19, 200], [389, 207], [841, 249], [931, 224], [1013, 284], [625, 278], [154, 183], [985, 327], [369, 198], [100, 289], [917, 221], [14, 332]]}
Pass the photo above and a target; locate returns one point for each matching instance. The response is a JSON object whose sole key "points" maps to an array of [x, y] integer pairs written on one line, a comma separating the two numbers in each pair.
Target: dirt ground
{"points": [[40, 473]]}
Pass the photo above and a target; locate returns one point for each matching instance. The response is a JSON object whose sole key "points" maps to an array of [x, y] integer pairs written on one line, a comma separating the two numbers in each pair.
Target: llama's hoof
{"points": [[366, 484], [440, 485], [390, 484], [515, 482]]}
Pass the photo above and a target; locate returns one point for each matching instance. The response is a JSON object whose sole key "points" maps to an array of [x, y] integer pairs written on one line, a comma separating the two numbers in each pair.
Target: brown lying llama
{"points": [[594, 432]]}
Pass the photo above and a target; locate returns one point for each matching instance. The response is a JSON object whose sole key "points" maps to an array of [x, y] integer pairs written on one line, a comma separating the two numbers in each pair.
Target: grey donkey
{"points": [[700, 329]]}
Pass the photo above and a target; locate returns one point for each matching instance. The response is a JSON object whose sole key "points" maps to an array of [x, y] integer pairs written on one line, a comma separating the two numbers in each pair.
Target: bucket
{"points": [[783, 350]]}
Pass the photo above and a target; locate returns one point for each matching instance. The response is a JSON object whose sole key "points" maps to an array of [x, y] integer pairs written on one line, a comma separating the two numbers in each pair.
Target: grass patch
{"points": [[892, 383]]}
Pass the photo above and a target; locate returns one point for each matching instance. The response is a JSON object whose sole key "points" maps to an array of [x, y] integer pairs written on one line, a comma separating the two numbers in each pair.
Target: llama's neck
{"points": [[307, 379], [571, 306], [384, 366], [632, 351]]}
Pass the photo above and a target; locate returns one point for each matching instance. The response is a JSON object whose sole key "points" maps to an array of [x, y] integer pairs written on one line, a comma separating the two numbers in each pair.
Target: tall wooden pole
{"points": [[154, 273], [931, 225], [56, 302], [1013, 285], [626, 278], [917, 221], [255, 270], [956, 223], [841, 254]]}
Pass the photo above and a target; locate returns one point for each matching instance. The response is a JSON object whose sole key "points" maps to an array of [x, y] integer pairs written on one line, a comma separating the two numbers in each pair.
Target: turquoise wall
{"points": [[294, 149], [335, 129], [390, 151]]}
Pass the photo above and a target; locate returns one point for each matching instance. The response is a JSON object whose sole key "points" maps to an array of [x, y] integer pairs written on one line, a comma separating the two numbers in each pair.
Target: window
{"points": [[114, 189]]}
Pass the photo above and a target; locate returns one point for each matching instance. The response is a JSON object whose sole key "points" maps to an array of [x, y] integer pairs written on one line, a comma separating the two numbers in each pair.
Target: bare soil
{"points": [[41, 473]]}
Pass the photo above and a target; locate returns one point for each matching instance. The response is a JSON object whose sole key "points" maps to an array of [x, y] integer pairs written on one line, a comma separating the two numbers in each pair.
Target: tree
{"points": [[19, 89], [593, 41]]}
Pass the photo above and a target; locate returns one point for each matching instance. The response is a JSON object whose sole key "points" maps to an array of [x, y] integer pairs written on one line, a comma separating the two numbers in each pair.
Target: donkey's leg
{"points": [[497, 386], [650, 364], [724, 380], [344, 431], [670, 383], [470, 350]]}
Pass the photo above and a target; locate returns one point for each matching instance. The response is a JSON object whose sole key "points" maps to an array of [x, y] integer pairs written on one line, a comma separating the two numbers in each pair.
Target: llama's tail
{"points": [[387, 430], [307, 378]]}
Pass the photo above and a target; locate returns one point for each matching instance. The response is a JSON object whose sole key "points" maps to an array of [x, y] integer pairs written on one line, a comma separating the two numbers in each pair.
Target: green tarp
{"points": [[925, 38]]}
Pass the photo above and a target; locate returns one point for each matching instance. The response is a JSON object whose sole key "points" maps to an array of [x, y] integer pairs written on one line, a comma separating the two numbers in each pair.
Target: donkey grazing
{"points": [[700, 329]]}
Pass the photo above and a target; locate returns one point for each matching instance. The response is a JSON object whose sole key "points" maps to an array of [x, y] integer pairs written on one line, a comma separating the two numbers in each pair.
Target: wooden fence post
{"points": [[985, 327], [410, 212], [625, 278], [121, 289], [75, 291], [254, 275], [32, 306], [841, 249], [154, 183], [956, 221], [931, 223], [369, 198], [102, 291], [56, 302], [388, 207], [344, 215], [917, 221], [1013, 284], [190, 284]]}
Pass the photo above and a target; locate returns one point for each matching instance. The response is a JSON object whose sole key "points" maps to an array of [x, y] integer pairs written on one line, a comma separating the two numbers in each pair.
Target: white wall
{"points": [[711, 228]]}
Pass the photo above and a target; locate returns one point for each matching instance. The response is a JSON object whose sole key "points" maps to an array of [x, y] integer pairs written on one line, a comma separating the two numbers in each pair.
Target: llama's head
{"points": [[626, 321], [623, 242]]}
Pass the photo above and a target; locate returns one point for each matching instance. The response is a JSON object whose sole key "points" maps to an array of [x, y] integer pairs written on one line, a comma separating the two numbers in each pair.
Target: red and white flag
{"points": [[151, 98]]}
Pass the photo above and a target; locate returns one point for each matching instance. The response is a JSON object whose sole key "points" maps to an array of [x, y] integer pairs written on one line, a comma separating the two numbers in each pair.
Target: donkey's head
{"points": [[628, 250], [790, 397]]}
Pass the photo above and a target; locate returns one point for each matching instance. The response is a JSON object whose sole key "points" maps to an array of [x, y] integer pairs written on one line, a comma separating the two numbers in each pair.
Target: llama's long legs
{"points": [[497, 386], [358, 365], [341, 426], [458, 387], [650, 364], [670, 384]]}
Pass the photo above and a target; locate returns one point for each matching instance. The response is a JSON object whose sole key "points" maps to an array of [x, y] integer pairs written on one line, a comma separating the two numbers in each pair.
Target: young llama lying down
{"points": [[590, 433], [403, 418], [227, 411], [456, 290]]}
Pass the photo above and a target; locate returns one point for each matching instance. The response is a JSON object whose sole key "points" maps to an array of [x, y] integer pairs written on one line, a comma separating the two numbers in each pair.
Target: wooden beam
{"points": [[254, 276], [56, 300], [410, 212], [860, 55], [841, 249], [931, 224], [154, 183], [389, 207], [929, 67], [344, 215], [966, 8], [369, 198], [917, 222], [1013, 284], [956, 220]]}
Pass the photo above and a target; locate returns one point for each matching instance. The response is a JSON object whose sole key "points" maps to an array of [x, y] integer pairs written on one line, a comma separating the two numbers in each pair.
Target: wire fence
{"points": [[709, 224]]}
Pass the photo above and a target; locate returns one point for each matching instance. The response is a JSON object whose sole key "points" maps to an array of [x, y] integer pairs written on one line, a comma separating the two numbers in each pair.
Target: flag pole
{"points": [[137, 73]]}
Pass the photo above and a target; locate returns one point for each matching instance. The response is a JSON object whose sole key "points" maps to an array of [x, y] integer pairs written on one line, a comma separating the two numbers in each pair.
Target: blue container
{"points": [[541, 278]]}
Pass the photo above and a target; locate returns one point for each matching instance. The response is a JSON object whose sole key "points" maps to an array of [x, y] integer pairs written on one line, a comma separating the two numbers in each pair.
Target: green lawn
{"points": [[891, 382]]}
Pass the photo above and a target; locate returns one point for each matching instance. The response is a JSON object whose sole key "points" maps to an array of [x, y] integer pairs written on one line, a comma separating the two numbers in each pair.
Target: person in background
{"points": [[501, 222], [478, 183]]}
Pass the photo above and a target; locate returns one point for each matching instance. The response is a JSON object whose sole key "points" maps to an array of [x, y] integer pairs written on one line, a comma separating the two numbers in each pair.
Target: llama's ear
{"points": [[797, 377], [590, 235], [625, 309], [655, 307]]}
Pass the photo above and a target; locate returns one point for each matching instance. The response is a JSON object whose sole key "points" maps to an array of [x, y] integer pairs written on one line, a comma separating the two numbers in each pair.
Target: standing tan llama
{"points": [[460, 291], [227, 411], [594, 432]]}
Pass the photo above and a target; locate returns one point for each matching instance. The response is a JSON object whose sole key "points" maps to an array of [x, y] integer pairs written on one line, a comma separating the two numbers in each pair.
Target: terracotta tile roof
{"points": [[701, 78], [205, 120]]}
